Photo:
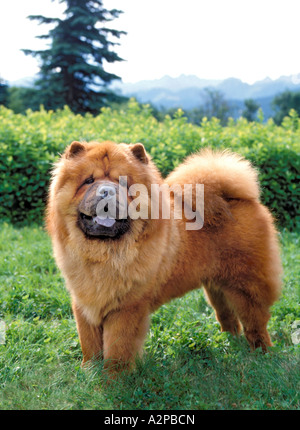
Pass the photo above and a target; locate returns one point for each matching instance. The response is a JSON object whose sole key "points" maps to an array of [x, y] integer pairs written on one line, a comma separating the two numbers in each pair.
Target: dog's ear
{"points": [[139, 152], [74, 149]]}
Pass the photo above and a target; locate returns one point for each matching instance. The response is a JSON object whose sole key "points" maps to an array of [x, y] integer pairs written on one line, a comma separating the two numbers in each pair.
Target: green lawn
{"points": [[188, 363]]}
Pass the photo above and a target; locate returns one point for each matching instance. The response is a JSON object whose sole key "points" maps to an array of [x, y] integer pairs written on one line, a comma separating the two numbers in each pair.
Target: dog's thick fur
{"points": [[115, 284]]}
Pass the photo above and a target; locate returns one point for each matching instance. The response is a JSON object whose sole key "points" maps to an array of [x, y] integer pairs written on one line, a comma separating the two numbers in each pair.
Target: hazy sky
{"points": [[247, 39]]}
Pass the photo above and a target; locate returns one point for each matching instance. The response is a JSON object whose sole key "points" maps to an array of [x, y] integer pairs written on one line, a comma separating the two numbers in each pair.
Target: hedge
{"points": [[30, 143]]}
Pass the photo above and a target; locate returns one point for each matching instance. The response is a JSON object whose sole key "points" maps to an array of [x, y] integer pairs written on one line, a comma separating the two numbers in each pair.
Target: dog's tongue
{"points": [[105, 222]]}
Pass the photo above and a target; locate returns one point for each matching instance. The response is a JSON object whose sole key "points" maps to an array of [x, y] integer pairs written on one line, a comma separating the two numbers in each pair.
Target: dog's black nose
{"points": [[106, 191]]}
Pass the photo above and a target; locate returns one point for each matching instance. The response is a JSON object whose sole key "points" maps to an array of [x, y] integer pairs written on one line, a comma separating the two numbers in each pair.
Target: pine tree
{"points": [[72, 69]]}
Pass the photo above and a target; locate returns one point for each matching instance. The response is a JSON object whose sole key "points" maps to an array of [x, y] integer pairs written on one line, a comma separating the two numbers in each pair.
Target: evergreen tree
{"points": [[72, 69]]}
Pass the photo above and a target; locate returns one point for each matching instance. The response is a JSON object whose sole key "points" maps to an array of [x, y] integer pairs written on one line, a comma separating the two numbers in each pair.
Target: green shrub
{"points": [[279, 175], [30, 143]]}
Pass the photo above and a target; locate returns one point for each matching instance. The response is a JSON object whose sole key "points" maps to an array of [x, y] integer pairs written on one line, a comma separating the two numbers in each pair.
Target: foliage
{"points": [[251, 107], [22, 98], [283, 103], [214, 105], [188, 363], [3, 92], [72, 70], [30, 143]]}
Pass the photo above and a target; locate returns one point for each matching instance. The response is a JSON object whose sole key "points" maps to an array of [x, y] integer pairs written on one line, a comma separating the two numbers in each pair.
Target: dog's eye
{"points": [[89, 180]]}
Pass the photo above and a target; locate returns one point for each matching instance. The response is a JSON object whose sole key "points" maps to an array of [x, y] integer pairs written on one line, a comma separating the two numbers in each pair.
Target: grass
{"points": [[188, 363]]}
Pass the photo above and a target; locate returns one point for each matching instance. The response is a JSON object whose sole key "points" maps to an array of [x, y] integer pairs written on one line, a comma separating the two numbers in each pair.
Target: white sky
{"points": [[212, 39]]}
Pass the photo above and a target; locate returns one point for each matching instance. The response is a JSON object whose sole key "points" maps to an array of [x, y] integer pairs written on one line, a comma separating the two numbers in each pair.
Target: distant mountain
{"points": [[23, 82], [167, 83], [186, 91]]}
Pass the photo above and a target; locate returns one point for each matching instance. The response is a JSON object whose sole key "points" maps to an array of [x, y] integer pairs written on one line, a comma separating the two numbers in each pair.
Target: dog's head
{"points": [[89, 190]]}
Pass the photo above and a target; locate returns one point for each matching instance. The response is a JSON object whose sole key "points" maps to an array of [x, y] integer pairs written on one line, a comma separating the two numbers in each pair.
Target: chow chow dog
{"points": [[122, 257]]}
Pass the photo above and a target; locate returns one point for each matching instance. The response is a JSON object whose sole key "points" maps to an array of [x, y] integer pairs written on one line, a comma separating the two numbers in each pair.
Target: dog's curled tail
{"points": [[227, 174]]}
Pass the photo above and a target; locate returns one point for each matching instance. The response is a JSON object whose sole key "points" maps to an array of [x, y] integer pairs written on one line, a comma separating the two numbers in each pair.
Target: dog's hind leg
{"points": [[223, 310], [252, 308]]}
